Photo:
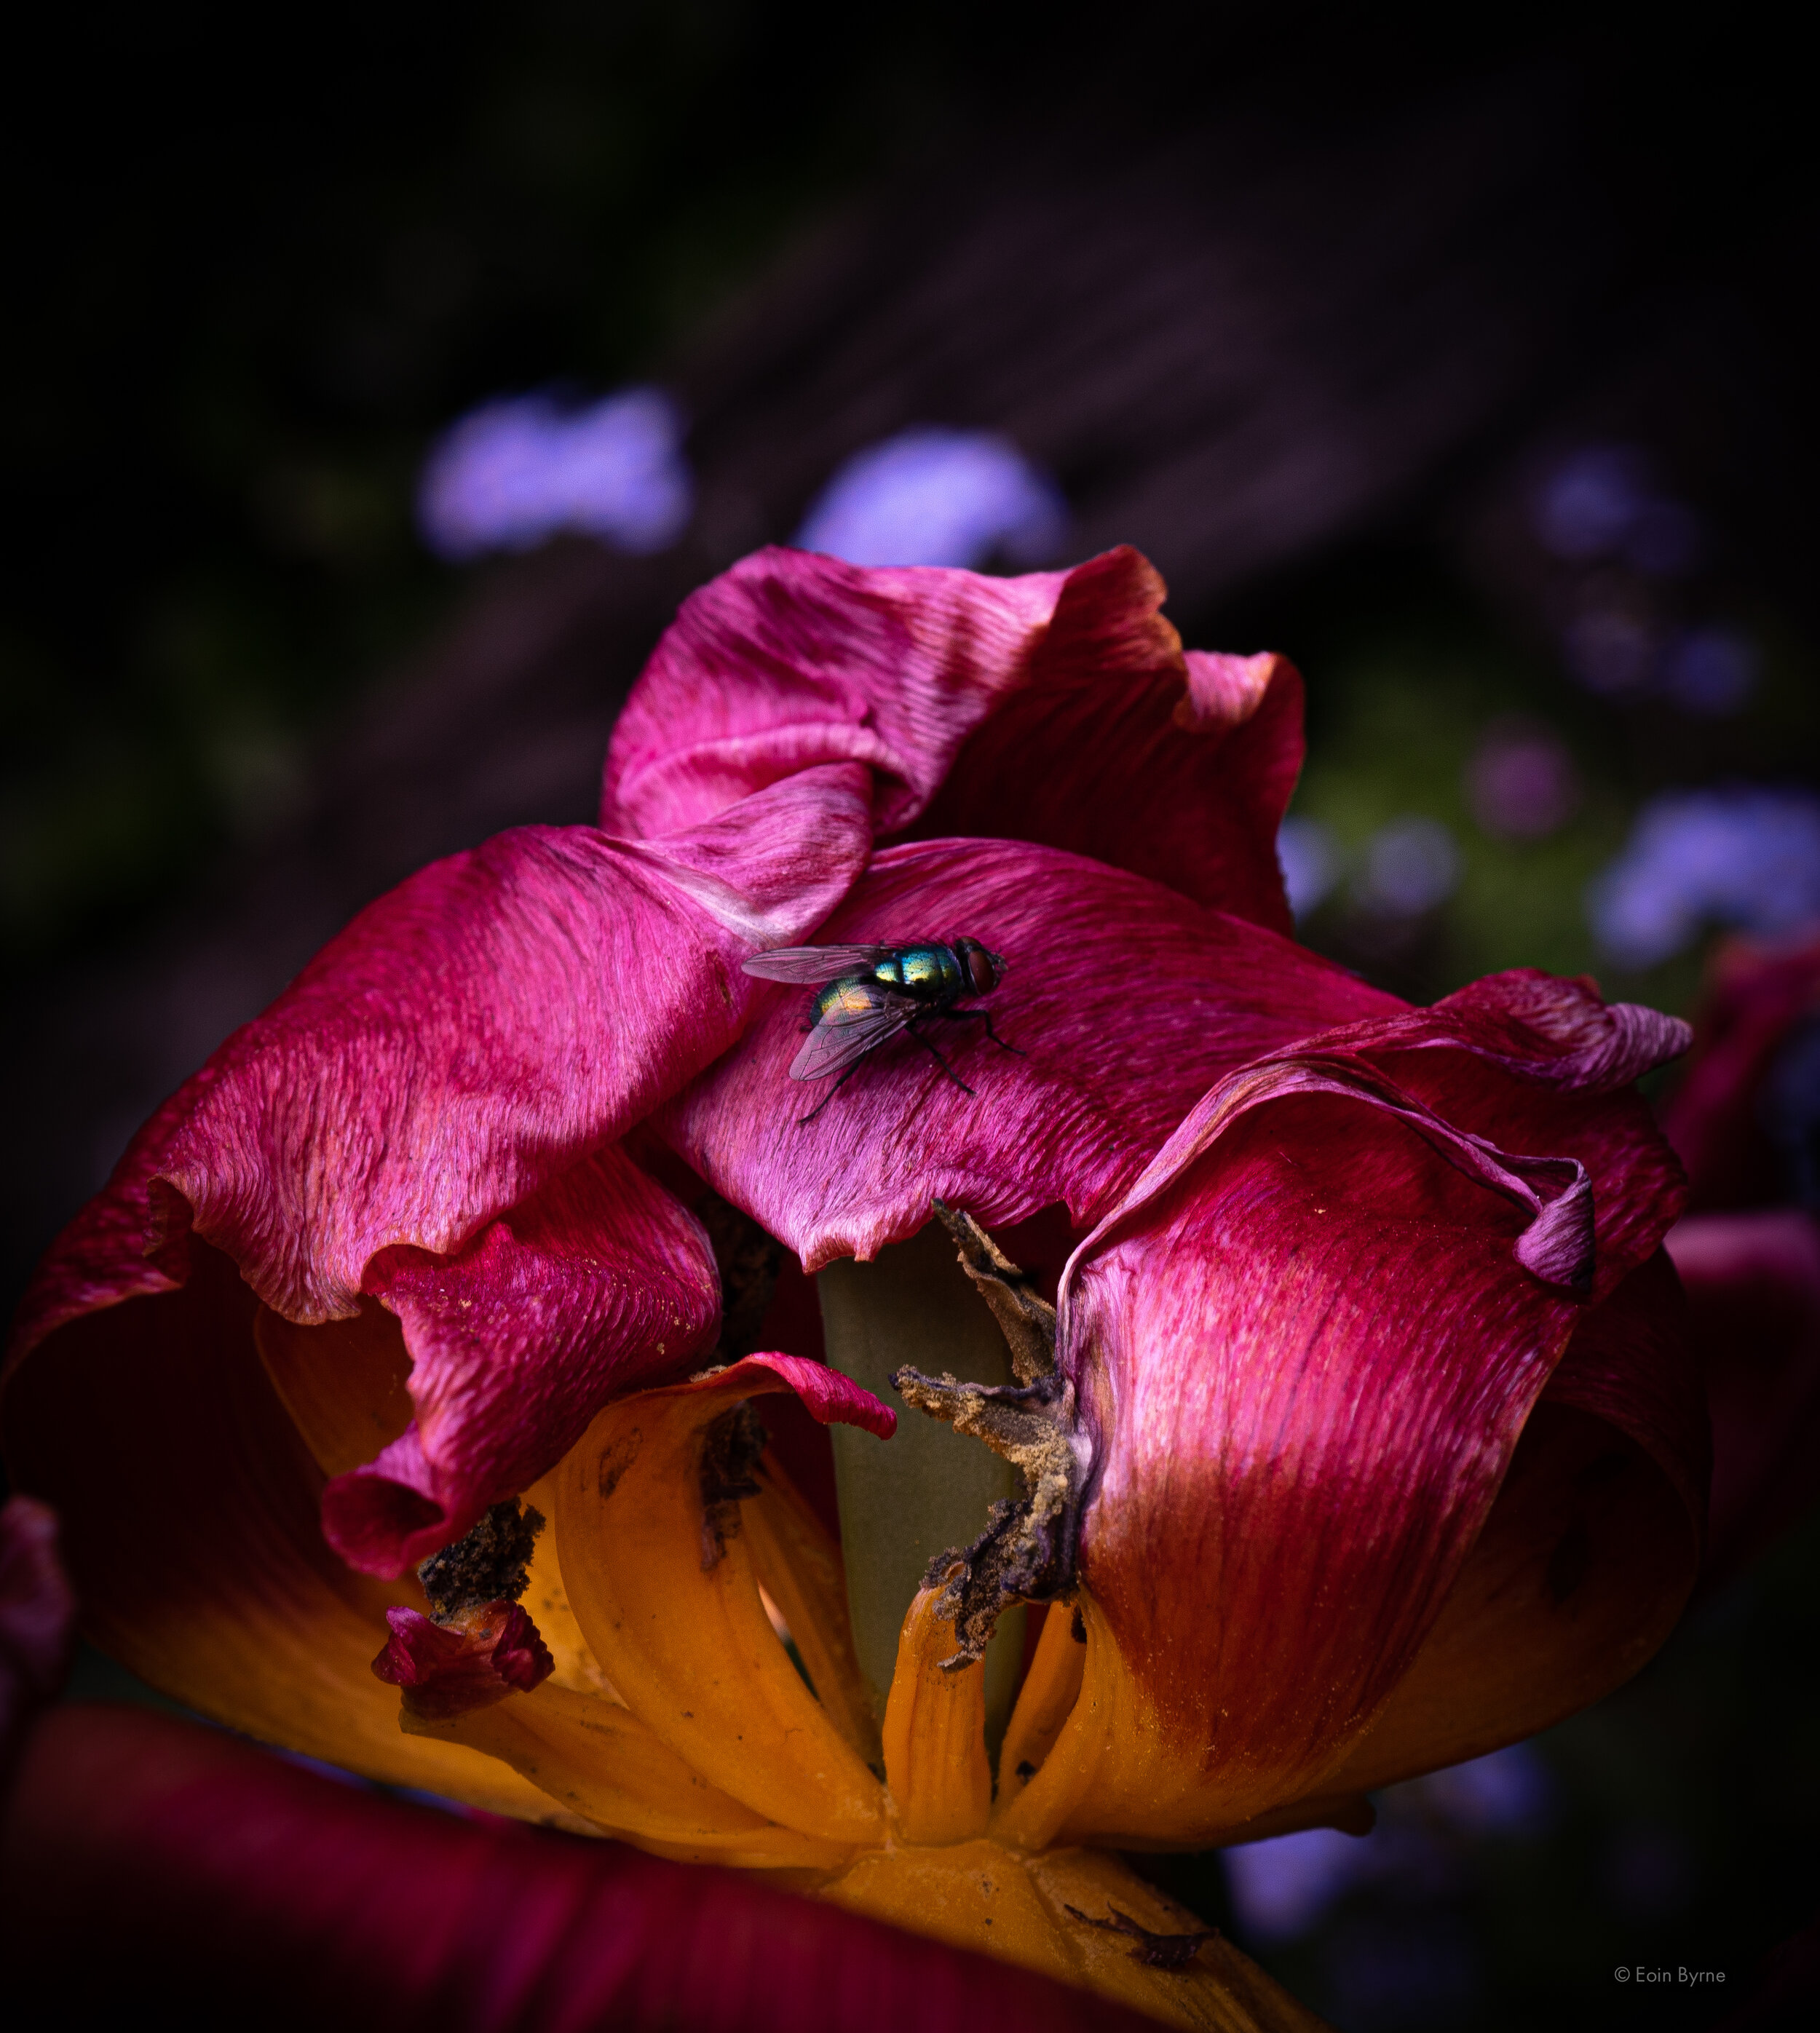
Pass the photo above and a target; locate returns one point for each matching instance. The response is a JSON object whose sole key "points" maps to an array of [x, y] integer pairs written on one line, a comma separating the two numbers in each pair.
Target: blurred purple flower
{"points": [[516, 471], [1744, 857], [1411, 865], [937, 496], [1711, 671], [1310, 859], [1522, 783], [1281, 1888]]}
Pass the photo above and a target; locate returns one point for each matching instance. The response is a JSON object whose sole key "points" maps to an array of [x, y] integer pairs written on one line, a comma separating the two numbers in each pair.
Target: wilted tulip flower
{"points": [[425, 1391]]}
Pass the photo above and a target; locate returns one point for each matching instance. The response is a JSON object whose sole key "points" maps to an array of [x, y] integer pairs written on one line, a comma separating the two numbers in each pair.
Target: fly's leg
{"points": [[985, 1017], [928, 1046], [830, 1096]]}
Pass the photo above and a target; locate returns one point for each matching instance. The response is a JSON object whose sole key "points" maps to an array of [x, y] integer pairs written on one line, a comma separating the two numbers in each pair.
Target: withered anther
{"points": [[1027, 1551], [489, 1563]]}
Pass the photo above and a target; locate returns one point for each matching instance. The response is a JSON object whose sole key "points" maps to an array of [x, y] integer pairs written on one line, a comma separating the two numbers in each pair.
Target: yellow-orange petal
{"points": [[798, 1563], [598, 1759], [935, 1732], [980, 1895], [666, 1596], [1045, 1702]]}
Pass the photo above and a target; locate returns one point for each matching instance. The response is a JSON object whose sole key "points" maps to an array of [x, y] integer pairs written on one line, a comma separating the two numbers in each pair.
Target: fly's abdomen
{"points": [[850, 998]]}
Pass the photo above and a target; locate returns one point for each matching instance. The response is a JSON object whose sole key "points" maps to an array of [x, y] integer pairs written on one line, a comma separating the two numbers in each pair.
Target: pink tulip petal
{"points": [[1057, 709], [791, 659], [424, 1115], [468, 1038], [1128, 1000], [599, 1283], [1307, 1340], [227, 1876], [1105, 752]]}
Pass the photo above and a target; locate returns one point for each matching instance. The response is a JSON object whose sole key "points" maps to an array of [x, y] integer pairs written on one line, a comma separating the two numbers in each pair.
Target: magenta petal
{"points": [[601, 1283], [1057, 709], [791, 659], [227, 1876], [1118, 747], [829, 1397], [468, 1038], [425, 1113], [451, 1670], [1128, 1000], [1309, 1338]]}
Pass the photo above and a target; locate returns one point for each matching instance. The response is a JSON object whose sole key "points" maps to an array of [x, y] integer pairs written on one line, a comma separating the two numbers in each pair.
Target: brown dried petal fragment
{"points": [[731, 1448], [1171, 1952], [1025, 1318]]}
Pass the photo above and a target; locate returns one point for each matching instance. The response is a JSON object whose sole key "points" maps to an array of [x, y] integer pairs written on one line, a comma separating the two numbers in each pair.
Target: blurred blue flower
{"points": [[1742, 857], [1508, 1792], [1411, 865], [1711, 671], [515, 471], [1281, 1889], [935, 497], [1309, 856], [1600, 501]]}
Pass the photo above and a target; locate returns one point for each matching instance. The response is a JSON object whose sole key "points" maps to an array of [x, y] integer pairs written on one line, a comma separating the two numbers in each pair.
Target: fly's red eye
{"points": [[979, 970]]}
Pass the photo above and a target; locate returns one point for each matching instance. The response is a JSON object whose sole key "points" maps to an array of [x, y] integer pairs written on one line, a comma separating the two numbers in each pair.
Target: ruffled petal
{"points": [[1126, 1000], [425, 1116], [451, 1671], [599, 1283], [191, 1529], [1107, 751], [791, 659], [1058, 709], [1307, 1342], [227, 1876]]}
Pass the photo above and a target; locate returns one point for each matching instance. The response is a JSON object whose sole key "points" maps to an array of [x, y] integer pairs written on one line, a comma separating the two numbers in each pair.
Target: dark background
{"points": [[1298, 300]]}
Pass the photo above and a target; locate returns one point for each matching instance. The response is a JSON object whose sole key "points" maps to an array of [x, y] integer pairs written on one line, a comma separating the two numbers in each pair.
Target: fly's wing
{"points": [[867, 1016], [812, 965]]}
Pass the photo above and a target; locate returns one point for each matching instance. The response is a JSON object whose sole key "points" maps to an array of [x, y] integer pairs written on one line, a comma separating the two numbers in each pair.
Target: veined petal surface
{"points": [[424, 1115], [1307, 1342], [1127, 999], [1058, 708]]}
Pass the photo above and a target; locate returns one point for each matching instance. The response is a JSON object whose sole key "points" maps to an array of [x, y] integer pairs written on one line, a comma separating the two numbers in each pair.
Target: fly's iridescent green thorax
{"points": [[930, 973], [867, 995]]}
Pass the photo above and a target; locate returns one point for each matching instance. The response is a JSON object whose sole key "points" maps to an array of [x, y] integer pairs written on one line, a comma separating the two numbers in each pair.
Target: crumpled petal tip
{"points": [[451, 1670]]}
